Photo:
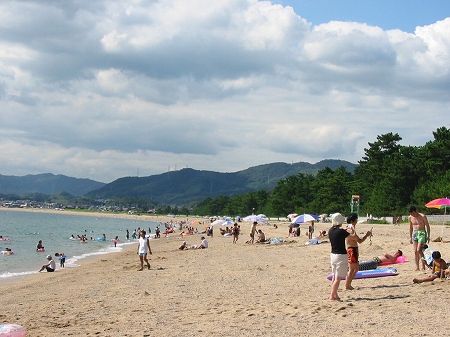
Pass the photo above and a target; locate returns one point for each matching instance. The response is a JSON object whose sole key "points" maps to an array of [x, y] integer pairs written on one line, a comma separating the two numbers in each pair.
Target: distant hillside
{"points": [[187, 185], [47, 183]]}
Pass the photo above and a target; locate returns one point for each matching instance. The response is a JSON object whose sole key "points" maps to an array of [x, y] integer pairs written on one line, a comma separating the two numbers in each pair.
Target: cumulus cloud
{"points": [[99, 89]]}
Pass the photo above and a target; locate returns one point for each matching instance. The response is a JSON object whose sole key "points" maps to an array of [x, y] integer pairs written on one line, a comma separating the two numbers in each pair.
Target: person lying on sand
{"points": [[385, 257]]}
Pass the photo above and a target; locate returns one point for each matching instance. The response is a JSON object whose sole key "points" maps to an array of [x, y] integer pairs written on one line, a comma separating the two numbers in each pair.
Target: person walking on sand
{"points": [[143, 249], [235, 232], [419, 233], [352, 249], [338, 256]]}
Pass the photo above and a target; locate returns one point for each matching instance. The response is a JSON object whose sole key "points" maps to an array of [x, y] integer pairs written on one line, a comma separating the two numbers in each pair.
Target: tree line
{"points": [[388, 179]]}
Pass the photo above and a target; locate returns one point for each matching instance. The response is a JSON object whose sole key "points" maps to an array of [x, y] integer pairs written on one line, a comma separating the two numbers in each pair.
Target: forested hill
{"points": [[47, 183], [188, 185]]}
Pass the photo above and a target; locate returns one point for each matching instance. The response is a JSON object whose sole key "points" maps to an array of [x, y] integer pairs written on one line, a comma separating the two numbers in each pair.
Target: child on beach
{"points": [[183, 246], [62, 259], [438, 267], [427, 260], [143, 249], [311, 230]]}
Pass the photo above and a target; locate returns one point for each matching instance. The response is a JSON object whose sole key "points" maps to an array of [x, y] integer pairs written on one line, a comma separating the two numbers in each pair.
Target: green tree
{"points": [[291, 195], [333, 190]]}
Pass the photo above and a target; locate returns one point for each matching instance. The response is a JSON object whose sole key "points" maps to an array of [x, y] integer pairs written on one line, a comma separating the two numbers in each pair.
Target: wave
{"points": [[72, 261]]}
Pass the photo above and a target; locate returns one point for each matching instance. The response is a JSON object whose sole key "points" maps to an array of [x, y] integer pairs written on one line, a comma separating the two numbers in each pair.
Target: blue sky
{"points": [[387, 14], [108, 88]]}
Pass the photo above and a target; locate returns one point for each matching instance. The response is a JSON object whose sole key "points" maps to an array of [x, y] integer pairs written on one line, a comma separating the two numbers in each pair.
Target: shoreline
{"points": [[155, 218]]}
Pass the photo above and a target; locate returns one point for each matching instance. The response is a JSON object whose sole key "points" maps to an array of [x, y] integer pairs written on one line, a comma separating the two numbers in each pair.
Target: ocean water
{"points": [[25, 229]]}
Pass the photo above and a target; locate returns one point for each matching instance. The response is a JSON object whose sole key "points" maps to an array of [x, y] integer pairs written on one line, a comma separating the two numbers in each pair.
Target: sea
{"points": [[25, 229]]}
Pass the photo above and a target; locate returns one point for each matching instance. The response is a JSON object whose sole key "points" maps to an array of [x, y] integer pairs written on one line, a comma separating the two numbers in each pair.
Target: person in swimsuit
{"points": [[235, 232], [419, 233], [352, 249], [253, 231], [438, 267], [39, 245], [388, 257], [261, 237], [311, 230], [183, 246]]}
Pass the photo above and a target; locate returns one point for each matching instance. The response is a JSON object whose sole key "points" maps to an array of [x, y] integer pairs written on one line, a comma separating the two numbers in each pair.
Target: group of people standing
{"points": [[344, 251]]}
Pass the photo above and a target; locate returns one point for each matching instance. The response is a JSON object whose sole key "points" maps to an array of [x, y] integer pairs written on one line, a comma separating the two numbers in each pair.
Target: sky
{"points": [[108, 89]]}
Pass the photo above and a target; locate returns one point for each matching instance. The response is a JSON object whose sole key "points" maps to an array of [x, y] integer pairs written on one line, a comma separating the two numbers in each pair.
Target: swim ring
{"points": [[40, 250], [5, 252], [4, 239], [13, 330], [101, 239]]}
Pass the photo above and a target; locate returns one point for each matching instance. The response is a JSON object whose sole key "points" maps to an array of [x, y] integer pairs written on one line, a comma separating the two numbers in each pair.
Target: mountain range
{"points": [[180, 187], [47, 183]]}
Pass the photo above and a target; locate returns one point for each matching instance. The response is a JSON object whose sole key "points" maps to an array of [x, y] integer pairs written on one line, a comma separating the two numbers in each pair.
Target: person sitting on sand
{"points": [[261, 237], [438, 268], [203, 244], [427, 260], [183, 246], [315, 240], [50, 266]]}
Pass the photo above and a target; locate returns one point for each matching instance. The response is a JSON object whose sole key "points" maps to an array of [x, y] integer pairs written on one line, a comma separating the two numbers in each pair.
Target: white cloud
{"points": [[100, 89]]}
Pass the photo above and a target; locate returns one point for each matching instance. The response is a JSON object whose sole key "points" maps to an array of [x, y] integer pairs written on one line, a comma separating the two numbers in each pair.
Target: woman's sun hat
{"points": [[337, 219]]}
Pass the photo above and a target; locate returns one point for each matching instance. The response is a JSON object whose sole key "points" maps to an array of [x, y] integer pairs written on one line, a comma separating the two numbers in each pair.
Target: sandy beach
{"points": [[231, 290]]}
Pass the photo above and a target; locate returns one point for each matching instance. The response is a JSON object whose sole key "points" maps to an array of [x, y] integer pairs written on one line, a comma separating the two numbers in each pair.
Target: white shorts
{"points": [[339, 264]]}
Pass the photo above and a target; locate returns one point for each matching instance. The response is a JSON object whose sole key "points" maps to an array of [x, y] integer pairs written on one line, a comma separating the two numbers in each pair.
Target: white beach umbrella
{"points": [[254, 218], [218, 222]]}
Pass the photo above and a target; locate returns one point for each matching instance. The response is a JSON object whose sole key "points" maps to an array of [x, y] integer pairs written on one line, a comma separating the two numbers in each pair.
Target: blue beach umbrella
{"points": [[304, 218]]}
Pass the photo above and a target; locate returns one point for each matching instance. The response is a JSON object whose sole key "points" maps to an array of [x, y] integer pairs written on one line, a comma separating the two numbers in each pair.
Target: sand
{"points": [[231, 290]]}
